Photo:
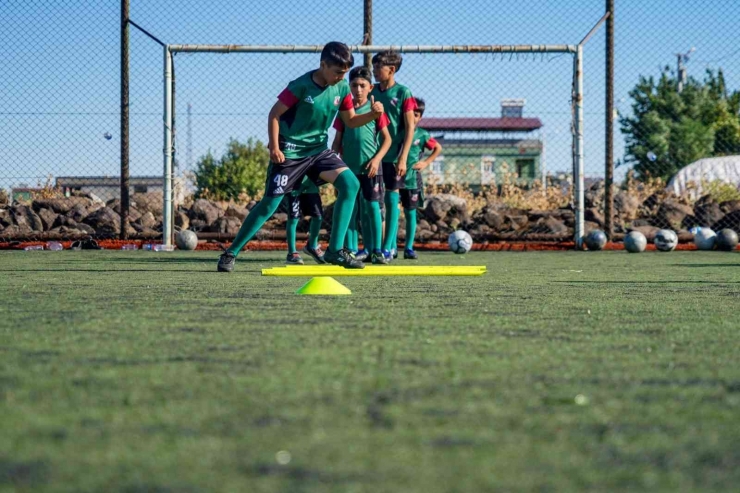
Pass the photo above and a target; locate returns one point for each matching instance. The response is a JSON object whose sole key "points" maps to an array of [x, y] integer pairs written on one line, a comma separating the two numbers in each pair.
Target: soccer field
{"points": [[555, 371]]}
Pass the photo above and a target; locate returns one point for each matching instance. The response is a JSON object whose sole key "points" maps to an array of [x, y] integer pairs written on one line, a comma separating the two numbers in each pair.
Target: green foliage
{"points": [[720, 191], [241, 170], [680, 128]]}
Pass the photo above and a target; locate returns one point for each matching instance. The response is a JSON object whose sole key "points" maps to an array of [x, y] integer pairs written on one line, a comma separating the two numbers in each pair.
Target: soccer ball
{"points": [[186, 240], [704, 239], [595, 240], [635, 242], [665, 240], [726, 240], [460, 242]]}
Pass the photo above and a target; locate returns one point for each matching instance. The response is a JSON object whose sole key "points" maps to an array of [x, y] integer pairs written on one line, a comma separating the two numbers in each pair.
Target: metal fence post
{"points": [[167, 150], [125, 199], [578, 168]]}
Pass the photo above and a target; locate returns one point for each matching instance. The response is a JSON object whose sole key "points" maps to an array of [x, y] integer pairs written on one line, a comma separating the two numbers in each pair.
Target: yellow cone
{"points": [[326, 286]]}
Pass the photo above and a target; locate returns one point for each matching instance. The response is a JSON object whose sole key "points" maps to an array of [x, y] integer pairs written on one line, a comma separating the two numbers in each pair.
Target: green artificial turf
{"points": [[555, 371]]}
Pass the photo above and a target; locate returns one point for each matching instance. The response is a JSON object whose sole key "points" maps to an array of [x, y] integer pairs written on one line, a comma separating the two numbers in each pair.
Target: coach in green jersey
{"points": [[297, 131]]}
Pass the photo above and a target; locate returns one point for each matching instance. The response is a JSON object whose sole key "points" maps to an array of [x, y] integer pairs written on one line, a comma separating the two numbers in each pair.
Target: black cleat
{"points": [[294, 259], [226, 262], [344, 258], [379, 258], [316, 253]]}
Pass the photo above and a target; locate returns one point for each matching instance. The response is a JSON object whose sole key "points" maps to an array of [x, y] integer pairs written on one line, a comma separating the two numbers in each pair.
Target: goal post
{"points": [[577, 116]]}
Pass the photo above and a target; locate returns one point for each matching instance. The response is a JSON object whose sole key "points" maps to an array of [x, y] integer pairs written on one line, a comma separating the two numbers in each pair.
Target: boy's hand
{"points": [[401, 167], [276, 155], [376, 108], [421, 165], [372, 167]]}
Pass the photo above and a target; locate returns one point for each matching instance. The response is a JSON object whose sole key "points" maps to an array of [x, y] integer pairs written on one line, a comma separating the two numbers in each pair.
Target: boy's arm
{"points": [[408, 118], [336, 145], [353, 120], [436, 151], [374, 164], [273, 131]]}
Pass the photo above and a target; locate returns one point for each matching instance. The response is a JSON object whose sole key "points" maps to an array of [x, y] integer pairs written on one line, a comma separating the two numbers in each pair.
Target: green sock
{"points": [[375, 231], [313, 232], [367, 237], [290, 229], [254, 221], [353, 236], [410, 227], [391, 219], [347, 186]]}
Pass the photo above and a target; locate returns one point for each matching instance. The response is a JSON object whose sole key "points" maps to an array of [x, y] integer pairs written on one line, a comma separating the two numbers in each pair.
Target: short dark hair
{"points": [[360, 73], [389, 58], [337, 54], [420, 105]]}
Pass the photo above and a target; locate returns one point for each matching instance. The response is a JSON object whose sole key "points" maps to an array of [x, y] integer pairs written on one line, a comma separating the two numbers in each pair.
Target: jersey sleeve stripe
{"points": [[409, 104], [346, 103], [287, 98], [431, 143], [338, 124], [382, 122]]}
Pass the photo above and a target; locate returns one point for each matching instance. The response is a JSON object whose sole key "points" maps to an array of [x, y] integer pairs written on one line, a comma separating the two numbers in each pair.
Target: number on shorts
{"points": [[280, 180]]}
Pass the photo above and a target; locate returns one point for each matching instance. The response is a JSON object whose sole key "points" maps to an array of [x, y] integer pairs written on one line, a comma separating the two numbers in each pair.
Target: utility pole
{"points": [[683, 58], [189, 153]]}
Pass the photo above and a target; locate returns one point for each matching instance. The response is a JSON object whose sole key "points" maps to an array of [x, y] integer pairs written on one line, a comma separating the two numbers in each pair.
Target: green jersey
{"points": [[422, 140], [397, 101], [303, 128], [360, 144]]}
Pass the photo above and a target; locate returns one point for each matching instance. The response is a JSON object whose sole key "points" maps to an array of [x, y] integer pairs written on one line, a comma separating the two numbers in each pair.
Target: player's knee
{"points": [[347, 183]]}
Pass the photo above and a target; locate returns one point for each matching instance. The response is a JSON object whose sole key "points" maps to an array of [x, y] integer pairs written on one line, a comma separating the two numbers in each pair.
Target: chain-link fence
{"points": [[504, 120]]}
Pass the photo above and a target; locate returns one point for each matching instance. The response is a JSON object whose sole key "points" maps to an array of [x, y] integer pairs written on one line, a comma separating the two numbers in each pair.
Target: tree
{"points": [[669, 130], [242, 169]]}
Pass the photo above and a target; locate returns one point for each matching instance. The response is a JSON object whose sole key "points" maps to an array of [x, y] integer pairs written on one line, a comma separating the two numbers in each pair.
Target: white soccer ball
{"points": [[704, 239], [665, 240], [186, 240], [460, 241]]}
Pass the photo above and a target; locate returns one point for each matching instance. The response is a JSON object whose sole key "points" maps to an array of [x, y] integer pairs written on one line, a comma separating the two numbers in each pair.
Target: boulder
{"points": [[730, 206], [588, 226], [707, 212], [594, 216], [182, 220], [493, 219], [84, 228], [48, 218], [206, 211], [516, 222], [198, 225], [626, 205], [280, 217], [104, 221], [226, 225], [648, 231], [147, 220], [237, 211], [423, 225], [730, 220], [78, 213], [445, 206], [61, 206], [24, 216], [555, 226], [5, 217], [15, 230], [671, 214]]}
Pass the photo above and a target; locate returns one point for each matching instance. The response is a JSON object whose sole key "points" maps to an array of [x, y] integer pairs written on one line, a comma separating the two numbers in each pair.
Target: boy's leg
{"points": [[311, 206], [281, 179], [294, 215], [352, 233], [393, 183], [410, 201], [367, 232], [330, 168]]}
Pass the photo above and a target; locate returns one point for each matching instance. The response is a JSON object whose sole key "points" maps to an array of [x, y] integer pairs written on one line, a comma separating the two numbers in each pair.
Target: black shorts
{"points": [[372, 188], [391, 179], [304, 204], [285, 177], [410, 198]]}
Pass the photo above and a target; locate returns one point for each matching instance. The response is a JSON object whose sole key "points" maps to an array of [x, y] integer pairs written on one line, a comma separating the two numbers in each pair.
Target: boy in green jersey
{"points": [[297, 130], [413, 185], [300, 203], [399, 105], [363, 154]]}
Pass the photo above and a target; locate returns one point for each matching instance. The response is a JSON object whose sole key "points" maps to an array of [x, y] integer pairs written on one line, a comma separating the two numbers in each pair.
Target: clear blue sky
{"points": [[59, 86]]}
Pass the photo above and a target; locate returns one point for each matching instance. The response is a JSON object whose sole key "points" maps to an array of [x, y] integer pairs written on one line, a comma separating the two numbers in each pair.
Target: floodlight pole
{"points": [[167, 150]]}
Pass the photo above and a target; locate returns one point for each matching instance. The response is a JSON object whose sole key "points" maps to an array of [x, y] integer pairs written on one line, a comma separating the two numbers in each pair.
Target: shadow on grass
{"points": [[703, 266], [646, 282]]}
